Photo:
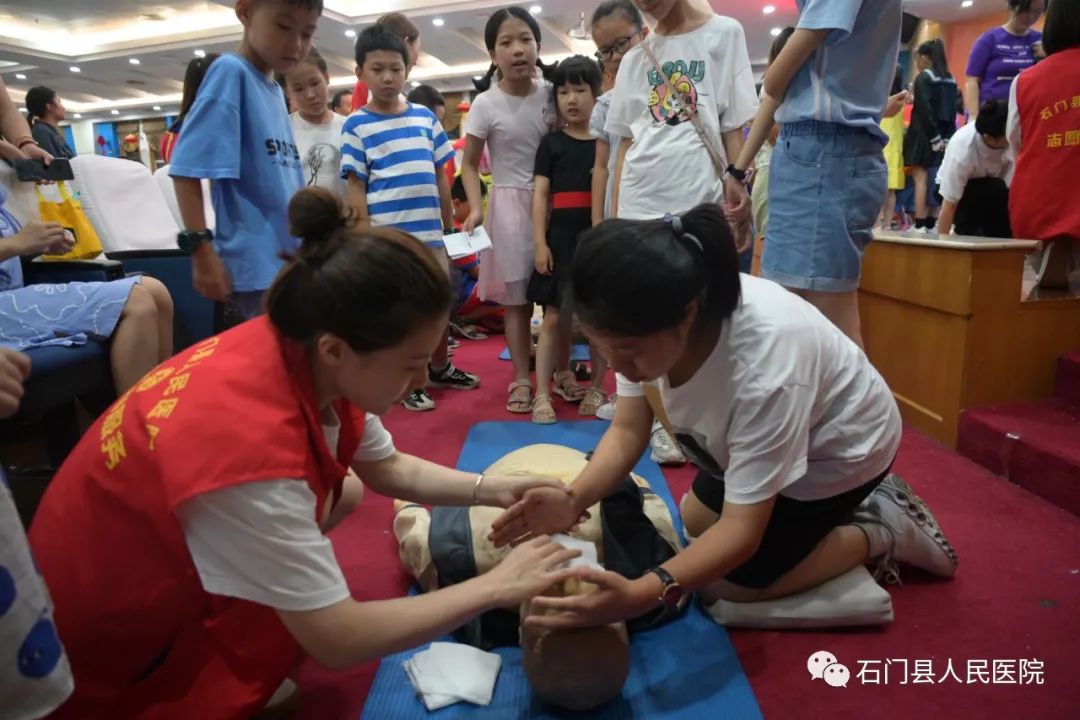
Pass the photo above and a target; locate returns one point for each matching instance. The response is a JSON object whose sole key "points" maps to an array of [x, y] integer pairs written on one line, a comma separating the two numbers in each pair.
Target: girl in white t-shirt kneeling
{"points": [[793, 428]]}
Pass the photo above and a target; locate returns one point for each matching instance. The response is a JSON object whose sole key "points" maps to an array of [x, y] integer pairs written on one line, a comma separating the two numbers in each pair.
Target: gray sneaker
{"points": [[917, 538], [665, 451]]}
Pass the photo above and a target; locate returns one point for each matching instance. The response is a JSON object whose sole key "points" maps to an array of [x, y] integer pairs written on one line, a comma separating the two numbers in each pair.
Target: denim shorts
{"points": [[248, 303], [827, 185]]}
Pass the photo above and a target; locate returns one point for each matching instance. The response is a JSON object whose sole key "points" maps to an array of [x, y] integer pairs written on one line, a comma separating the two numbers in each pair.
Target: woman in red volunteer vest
{"points": [[182, 541], [1044, 132]]}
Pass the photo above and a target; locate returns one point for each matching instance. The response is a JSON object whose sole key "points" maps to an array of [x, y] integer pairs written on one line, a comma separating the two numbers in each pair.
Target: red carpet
{"points": [[1035, 445], [1015, 595]]}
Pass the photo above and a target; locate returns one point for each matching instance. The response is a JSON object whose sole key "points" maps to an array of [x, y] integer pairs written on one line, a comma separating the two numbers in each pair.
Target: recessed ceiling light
{"points": [[78, 116], [133, 61], [157, 107], [350, 33], [415, 83], [775, 31], [536, 9], [967, 3], [438, 22], [200, 53], [20, 76], [769, 9], [477, 77], [115, 112], [75, 68]]}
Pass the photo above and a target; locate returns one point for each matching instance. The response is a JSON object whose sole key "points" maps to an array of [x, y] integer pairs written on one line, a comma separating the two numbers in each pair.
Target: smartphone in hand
{"points": [[34, 169]]}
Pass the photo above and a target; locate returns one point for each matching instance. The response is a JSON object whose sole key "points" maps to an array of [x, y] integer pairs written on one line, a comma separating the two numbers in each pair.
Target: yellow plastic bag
{"points": [[68, 212]]}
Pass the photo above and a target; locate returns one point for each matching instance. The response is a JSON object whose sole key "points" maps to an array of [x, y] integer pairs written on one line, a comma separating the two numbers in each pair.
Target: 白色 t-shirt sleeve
{"points": [[620, 116], [626, 388], [598, 119], [768, 441], [209, 145], [478, 121], [261, 542], [737, 100], [376, 443]]}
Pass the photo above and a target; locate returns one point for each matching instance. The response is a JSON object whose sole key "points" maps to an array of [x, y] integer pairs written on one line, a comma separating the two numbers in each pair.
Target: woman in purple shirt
{"points": [[1001, 53]]}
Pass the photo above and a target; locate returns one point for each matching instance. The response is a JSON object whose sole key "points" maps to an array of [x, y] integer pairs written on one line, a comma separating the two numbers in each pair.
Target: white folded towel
{"points": [[447, 673], [588, 557]]}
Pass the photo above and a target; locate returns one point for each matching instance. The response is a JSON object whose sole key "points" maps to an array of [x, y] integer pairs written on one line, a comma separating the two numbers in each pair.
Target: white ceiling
{"points": [[43, 39]]}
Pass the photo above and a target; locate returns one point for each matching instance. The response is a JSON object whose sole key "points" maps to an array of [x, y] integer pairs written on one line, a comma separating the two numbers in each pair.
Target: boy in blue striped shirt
{"points": [[392, 155]]}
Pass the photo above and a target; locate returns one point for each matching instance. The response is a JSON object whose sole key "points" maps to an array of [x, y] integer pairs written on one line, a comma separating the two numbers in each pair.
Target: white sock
{"points": [[878, 537]]}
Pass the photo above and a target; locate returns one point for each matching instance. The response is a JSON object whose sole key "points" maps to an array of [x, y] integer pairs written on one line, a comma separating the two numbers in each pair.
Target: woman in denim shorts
{"points": [[828, 179]]}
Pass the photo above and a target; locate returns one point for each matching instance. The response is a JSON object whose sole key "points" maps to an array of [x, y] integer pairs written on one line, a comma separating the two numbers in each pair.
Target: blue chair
{"points": [[61, 376]]}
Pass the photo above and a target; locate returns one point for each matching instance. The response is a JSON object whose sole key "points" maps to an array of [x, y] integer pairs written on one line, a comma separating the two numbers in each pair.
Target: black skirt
{"points": [[554, 290]]}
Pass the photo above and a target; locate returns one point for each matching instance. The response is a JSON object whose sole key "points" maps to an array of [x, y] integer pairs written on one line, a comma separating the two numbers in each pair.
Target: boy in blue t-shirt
{"points": [[238, 136], [828, 90], [392, 155]]}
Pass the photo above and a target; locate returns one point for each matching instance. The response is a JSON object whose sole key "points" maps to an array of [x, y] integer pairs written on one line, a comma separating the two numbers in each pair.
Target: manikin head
{"points": [[575, 669]]}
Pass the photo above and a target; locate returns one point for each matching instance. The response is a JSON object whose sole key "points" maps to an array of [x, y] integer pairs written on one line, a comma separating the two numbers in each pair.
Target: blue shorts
{"points": [[248, 303], [827, 185]]}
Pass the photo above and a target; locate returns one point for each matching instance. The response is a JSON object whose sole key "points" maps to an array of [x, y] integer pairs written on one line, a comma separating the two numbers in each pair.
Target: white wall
{"points": [[84, 136]]}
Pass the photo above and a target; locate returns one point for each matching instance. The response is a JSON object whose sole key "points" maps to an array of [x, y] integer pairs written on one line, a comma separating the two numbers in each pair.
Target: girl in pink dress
{"points": [[509, 117]]}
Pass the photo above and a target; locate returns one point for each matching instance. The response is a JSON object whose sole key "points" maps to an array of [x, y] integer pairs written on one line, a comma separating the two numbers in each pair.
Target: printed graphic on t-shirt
{"points": [[674, 108], [283, 153], [319, 157]]}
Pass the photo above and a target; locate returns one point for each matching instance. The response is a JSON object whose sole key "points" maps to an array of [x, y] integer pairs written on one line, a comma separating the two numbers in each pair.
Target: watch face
{"points": [[672, 594]]}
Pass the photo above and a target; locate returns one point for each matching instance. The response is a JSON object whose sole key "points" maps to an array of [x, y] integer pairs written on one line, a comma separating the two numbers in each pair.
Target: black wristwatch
{"points": [[736, 173], [188, 240], [449, 231], [671, 592]]}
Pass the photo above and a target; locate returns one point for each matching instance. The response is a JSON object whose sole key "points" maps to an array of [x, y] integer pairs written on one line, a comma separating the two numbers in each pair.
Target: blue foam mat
{"points": [[579, 351], [686, 670]]}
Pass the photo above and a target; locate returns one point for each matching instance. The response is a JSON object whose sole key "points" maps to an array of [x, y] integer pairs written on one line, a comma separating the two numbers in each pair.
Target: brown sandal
{"points": [[542, 411], [594, 398], [567, 388], [520, 400]]}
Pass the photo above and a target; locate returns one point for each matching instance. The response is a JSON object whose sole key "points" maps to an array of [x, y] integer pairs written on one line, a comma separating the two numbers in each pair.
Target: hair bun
{"points": [[314, 214]]}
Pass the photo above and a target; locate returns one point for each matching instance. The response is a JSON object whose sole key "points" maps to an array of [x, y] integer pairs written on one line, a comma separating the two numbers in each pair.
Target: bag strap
{"points": [[714, 155], [656, 404]]}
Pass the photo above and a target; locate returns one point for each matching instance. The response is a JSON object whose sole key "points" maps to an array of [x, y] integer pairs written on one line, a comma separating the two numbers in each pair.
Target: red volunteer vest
{"points": [[1043, 198], [144, 639]]}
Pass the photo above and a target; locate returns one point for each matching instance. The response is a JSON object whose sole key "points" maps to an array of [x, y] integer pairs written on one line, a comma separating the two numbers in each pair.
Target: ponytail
{"points": [[939, 62], [372, 288], [484, 83], [635, 278], [547, 71], [37, 103]]}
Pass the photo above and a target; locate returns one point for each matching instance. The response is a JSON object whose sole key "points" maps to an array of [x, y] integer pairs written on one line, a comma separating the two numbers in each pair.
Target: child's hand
{"points": [[475, 220], [543, 262], [209, 275], [737, 201], [41, 237], [14, 369]]}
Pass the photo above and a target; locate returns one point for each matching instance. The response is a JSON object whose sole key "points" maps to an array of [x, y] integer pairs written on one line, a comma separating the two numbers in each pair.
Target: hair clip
{"points": [[676, 224]]}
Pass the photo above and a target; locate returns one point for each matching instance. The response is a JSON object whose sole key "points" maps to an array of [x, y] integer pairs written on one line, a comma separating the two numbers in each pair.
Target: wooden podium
{"points": [[946, 324]]}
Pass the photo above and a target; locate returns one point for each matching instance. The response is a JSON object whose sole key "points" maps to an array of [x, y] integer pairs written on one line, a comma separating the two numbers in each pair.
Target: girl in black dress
{"points": [[933, 122], [562, 209]]}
